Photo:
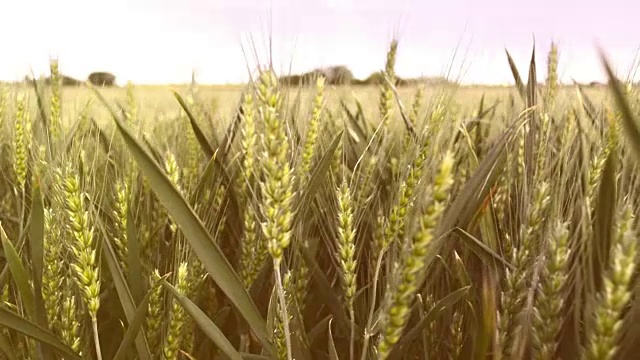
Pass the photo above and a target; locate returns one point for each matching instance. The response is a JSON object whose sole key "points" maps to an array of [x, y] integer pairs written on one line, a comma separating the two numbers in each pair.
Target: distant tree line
{"points": [[342, 75], [334, 75], [99, 78]]}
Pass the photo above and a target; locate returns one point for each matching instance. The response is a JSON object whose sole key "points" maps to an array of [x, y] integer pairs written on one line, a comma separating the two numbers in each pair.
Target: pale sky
{"points": [[161, 41]]}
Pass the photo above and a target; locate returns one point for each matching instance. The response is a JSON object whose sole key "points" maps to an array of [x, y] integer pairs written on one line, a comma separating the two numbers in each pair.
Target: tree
{"points": [[102, 79]]}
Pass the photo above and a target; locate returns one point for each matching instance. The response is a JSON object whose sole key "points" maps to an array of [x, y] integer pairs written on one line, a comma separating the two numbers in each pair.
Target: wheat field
{"points": [[320, 222]]}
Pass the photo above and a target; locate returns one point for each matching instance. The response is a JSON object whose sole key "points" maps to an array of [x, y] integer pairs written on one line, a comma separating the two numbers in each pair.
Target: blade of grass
{"points": [[629, 120], [36, 234], [232, 131], [444, 303], [469, 199], [205, 146], [206, 325], [318, 329], [532, 135], [152, 149], [206, 178], [134, 327], [403, 113], [19, 273], [40, 100], [15, 322], [215, 166], [134, 265], [360, 116], [192, 227], [516, 76], [254, 357], [329, 297], [604, 221], [480, 249], [316, 179], [103, 139], [361, 134], [124, 293], [6, 348], [588, 106], [333, 353], [36, 242], [70, 136]]}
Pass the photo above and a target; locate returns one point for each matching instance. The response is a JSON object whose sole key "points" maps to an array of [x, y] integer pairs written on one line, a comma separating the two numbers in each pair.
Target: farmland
{"points": [[319, 222]]}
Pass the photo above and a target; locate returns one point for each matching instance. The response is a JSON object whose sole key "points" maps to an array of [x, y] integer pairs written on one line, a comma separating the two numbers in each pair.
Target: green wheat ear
{"points": [[386, 95], [552, 75], [53, 272], [346, 243], [277, 190], [56, 100], [277, 186], [548, 310], [253, 251], [155, 309], [121, 207], [312, 132], [83, 249], [22, 143], [178, 318], [400, 294], [615, 296]]}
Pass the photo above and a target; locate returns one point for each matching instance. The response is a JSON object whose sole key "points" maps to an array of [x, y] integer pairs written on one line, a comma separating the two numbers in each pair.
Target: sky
{"points": [[162, 41]]}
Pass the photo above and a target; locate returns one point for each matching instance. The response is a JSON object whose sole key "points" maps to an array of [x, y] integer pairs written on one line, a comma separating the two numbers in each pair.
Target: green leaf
{"points": [[214, 167], [360, 116], [152, 149], [444, 303], [629, 120], [469, 199], [134, 266], [407, 124], [516, 76], [588, 106], [360, 132], [36, 234], [40, 100], [70, 136], [315, 181], [19, 274], [532, 81], [481, 250], [604, 221], [6, 348], [134, 327], [333, 353], [231, 132], [205, 146], [254, 357], [329, 297], [123, 291], [200, 240], [318, 329], [206, 325], [105, 142], [532, 134], [36, 242], [15, 322], [472, 194]]}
